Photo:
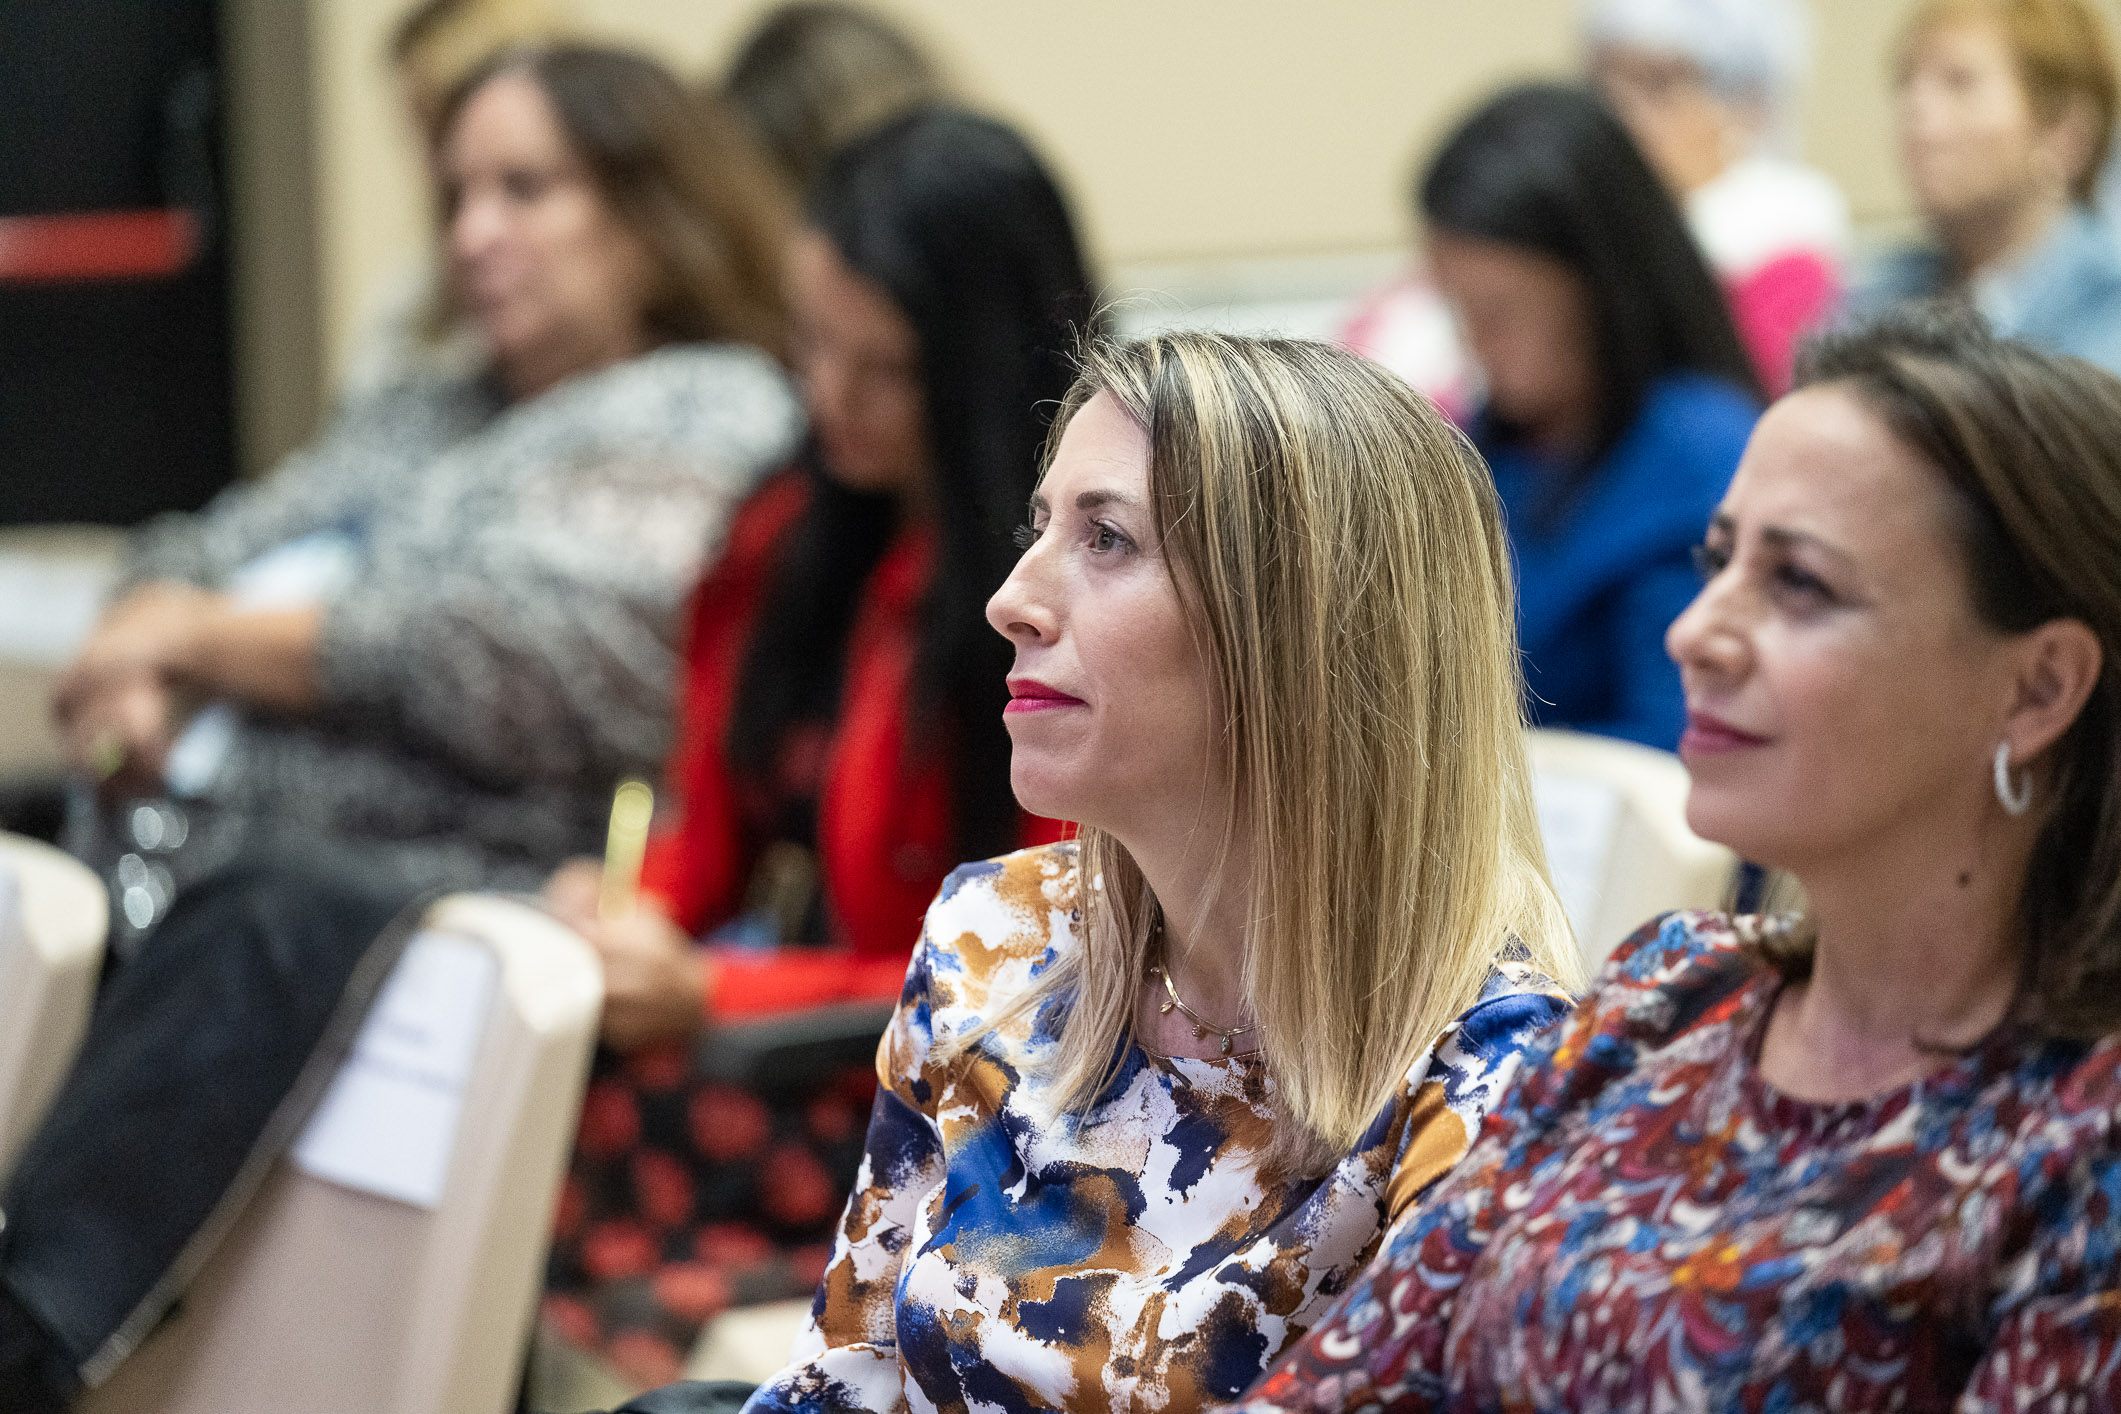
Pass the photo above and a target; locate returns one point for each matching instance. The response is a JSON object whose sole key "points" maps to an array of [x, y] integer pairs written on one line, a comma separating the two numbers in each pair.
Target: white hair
{"points": [[1749, 51]]}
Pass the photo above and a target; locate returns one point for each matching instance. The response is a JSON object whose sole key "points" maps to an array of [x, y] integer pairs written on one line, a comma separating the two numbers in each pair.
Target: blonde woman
{"points": [[1151, 1099]]}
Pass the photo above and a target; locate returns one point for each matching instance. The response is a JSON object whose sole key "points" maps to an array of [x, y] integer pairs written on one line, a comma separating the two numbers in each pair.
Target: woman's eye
{"points": [[1795, 580], [1025, 536], [1104, 538], [524, 185], [1711, 560]]}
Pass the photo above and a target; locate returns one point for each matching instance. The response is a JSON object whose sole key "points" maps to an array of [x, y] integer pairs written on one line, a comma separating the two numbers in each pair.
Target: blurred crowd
{"points": [[695, 453]]}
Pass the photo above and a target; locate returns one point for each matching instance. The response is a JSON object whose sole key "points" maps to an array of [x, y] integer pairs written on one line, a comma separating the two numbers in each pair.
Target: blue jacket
{"points": [[2064, 295], [1597, 589]]}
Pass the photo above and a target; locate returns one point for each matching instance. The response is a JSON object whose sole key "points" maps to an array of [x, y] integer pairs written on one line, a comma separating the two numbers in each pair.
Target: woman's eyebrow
{"points": [[1091, 500], [1784, 537]]}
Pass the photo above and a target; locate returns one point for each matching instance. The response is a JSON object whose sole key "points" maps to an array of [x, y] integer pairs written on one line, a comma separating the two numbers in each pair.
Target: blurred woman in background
{"points": [[1618, 395], [449, 626], [2006, 110], [1862, 1157], [408, 326], [815, 73], [1710, 89], [842, 740]]}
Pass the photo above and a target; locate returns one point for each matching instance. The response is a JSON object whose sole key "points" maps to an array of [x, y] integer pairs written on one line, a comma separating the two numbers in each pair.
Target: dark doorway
{"points": [[116, 396]]}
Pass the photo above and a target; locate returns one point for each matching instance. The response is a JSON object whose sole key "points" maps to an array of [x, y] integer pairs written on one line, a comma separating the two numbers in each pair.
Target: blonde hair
{"points": [[437, 42], [1339, 549], [2065, 59]]}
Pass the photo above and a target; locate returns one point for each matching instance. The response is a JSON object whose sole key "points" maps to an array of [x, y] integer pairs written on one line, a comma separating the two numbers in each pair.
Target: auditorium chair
{"points": [[54, 914], [1613, 815], [325, 1295]]}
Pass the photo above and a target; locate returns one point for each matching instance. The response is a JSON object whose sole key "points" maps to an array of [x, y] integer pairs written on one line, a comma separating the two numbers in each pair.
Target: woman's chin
{"points": [[1736, 824], [1040, 792]]}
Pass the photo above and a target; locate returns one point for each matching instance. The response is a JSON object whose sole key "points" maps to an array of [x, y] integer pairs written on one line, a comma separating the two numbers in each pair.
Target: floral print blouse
{"points": [[993, 1257], [1647, 1224]]}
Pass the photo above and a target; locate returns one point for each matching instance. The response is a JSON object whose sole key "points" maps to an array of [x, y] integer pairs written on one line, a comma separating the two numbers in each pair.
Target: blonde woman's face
{"points": [[1111, 713], [1969, 140], [1841, 688]]}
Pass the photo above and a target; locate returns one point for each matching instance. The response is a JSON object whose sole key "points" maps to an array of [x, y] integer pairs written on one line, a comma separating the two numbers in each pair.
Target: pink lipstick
{"points": [[1031, 695], [1707, 735]]}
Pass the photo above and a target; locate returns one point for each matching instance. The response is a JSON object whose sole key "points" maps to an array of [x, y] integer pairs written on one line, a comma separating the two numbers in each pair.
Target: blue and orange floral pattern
{"points": [[999, 1256], [1647, 1224]]}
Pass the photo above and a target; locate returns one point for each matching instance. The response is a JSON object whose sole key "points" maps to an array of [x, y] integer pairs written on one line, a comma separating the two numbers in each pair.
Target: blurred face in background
{"points": [[553, 279], [1689, 133], [859, 361], [1970, 142], [1840, 684], [1527, 318]]}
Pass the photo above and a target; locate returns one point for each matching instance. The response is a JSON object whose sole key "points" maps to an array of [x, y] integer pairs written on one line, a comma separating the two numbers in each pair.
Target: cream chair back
{"points": [[391, 1262], [1613, 815], [54, 915]]}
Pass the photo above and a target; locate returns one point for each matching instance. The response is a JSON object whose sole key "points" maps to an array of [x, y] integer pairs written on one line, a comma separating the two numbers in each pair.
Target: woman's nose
{"points": [[474, 226], [1704, 636], [1017, 611]]}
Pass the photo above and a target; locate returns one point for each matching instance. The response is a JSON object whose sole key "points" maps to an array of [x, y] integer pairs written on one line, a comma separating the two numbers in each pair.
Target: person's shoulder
{"points": [[2082, 1081], [1675, 963], [717, 366], [1762, 208], [996, 926], [1910, 270], [420, 396], [1689, 407], [1516, 1000], [697, 395], [1672, 942], [1673, 467]]}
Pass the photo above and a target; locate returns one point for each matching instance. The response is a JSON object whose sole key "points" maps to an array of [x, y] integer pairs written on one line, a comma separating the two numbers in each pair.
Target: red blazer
{"points": [[884, 827]]}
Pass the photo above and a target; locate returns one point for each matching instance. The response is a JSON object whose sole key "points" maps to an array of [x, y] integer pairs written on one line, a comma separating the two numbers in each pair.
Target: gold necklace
{"points": [[1202, 1027]]}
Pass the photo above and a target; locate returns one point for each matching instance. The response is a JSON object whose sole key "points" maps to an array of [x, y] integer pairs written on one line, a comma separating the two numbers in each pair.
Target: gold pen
{"points": [[625, 844], [106, 755]]}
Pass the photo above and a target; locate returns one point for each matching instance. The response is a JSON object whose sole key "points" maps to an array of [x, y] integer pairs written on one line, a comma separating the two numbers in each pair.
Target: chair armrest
{"points": [[796, 1052]]}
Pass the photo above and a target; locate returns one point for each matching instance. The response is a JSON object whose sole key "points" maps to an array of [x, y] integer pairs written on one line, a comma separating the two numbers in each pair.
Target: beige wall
{"points": [[1188, 130]]}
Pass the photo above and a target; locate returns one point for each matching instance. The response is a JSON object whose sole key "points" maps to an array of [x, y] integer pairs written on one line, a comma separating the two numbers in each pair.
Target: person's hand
{"points": [[156, 628], [117, 729], [655, 980], [571, 892]]}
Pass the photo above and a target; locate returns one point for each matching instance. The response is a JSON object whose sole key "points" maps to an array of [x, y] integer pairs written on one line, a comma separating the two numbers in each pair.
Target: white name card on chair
{"points": [[53, 917], [323, 1296], [388, 1124]]}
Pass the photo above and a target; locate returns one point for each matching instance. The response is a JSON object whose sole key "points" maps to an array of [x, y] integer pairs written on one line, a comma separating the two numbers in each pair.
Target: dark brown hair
{"points": [[680, 173], [2029, 446]]}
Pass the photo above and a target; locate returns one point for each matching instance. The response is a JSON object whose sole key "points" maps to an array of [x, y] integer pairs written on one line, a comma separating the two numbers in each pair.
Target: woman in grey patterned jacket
{"points": [[448, 627]]}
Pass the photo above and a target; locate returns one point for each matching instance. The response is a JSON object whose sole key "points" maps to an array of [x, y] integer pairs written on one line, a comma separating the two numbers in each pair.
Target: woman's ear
{"points": [[2067, 143], [2058, 666]]}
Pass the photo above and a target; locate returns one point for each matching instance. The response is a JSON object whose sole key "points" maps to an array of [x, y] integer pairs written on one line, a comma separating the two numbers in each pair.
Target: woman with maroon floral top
{"points": [[1865, 1156]]}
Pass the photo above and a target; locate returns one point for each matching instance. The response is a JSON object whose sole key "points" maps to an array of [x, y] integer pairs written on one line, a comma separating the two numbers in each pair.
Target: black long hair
{"points": [[959, 222], [1548, 169]]}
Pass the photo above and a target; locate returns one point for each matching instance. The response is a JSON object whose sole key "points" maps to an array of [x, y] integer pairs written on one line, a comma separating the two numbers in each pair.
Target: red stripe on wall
{"points": [[97, 245]]}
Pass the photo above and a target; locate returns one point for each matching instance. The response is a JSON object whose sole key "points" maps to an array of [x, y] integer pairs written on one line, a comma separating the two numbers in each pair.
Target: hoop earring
{"points": [[2015, 797]]}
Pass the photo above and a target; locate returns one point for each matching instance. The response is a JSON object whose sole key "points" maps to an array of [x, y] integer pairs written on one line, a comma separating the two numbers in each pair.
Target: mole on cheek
{"points": [[1965, 878]]}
